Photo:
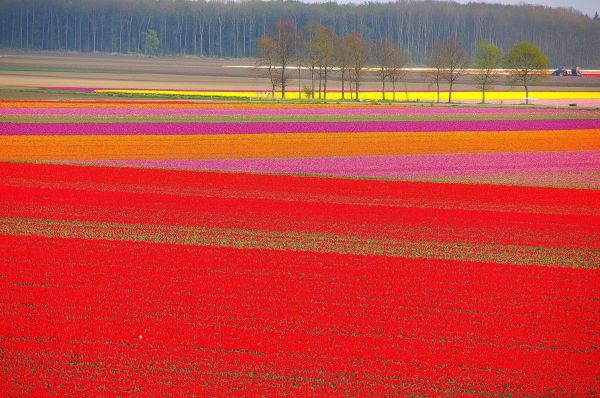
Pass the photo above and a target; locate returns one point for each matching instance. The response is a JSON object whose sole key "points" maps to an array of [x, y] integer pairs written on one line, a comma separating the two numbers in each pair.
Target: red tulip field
{"points": [[404, 252]]}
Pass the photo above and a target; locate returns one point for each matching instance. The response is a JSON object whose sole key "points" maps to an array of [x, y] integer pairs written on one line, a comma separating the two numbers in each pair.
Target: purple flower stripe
{"points": [[290, 127], [285, 111]]}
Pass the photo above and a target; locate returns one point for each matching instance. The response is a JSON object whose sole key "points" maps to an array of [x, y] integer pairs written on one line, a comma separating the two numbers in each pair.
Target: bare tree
{"points": [[454, 61], [275, 52], [448, 62], [390, 63], [285, 39], [266, 61], [343, 59], [310, 54], [436, 63], [527, 63], [299, 60], [322, 50], [396, 71], [358, 48], [311, 58], [383, 52], [487, 61]]}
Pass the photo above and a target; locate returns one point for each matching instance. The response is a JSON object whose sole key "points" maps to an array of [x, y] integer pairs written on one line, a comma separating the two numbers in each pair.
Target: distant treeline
{"points": [[231, 29]]}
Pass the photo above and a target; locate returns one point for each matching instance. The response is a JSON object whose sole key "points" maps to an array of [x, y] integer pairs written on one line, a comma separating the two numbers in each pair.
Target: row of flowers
{"points": [[560, 169], [490, 145], [372, 95], [229, 128]]}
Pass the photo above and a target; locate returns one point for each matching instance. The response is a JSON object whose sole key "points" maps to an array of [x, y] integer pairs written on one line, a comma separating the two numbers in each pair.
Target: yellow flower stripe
{"points": [[424, 96]]}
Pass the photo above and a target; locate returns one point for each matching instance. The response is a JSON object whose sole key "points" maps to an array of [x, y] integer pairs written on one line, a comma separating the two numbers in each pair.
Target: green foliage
{"points": [[151, 42], [488, 58], [527, 63], [525, 56], [487, 55]]}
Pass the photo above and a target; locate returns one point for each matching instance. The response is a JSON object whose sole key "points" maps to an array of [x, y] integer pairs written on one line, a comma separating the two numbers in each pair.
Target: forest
{"points": [[232, 29]]}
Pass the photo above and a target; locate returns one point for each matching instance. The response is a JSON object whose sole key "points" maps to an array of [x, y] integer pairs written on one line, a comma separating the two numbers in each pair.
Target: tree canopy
{"points": [[527, 63], [151, 42], [488, 58]]}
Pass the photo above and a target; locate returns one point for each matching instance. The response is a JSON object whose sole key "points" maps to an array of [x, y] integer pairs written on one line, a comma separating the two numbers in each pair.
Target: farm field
{"points": [[41, 74], [178, 248], [589, 99], [528, 146]]}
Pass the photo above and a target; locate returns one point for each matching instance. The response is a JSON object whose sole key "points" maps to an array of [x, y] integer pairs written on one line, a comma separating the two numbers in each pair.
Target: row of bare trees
{"points": [[321, 51]]}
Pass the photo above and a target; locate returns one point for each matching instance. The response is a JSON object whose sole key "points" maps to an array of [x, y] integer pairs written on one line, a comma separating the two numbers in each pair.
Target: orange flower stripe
{"points": [[40, 148]]}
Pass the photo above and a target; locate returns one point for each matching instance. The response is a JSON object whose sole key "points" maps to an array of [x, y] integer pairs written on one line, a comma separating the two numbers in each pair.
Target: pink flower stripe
{"points": [[175, 110], [578, 169], [173, 128]]}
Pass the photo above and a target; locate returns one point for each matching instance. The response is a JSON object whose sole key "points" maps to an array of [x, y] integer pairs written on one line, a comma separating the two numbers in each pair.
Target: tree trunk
{"points": [[382, 85], [320, 79], [383, 89], [129, 27], [80, 34], [21, 29], [67, 32], [312, 81], [221, 43], [299, 90], [120, 33], [325, 84], [283, 80], [343, 81]]}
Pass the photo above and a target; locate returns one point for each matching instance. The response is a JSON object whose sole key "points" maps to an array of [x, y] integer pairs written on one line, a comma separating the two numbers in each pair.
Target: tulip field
{"points": [[548, 98], [179, 248], [589, 98]]}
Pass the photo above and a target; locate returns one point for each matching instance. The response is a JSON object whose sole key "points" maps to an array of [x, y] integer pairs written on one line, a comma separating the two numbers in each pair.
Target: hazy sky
{"points": [[588, 7]]}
